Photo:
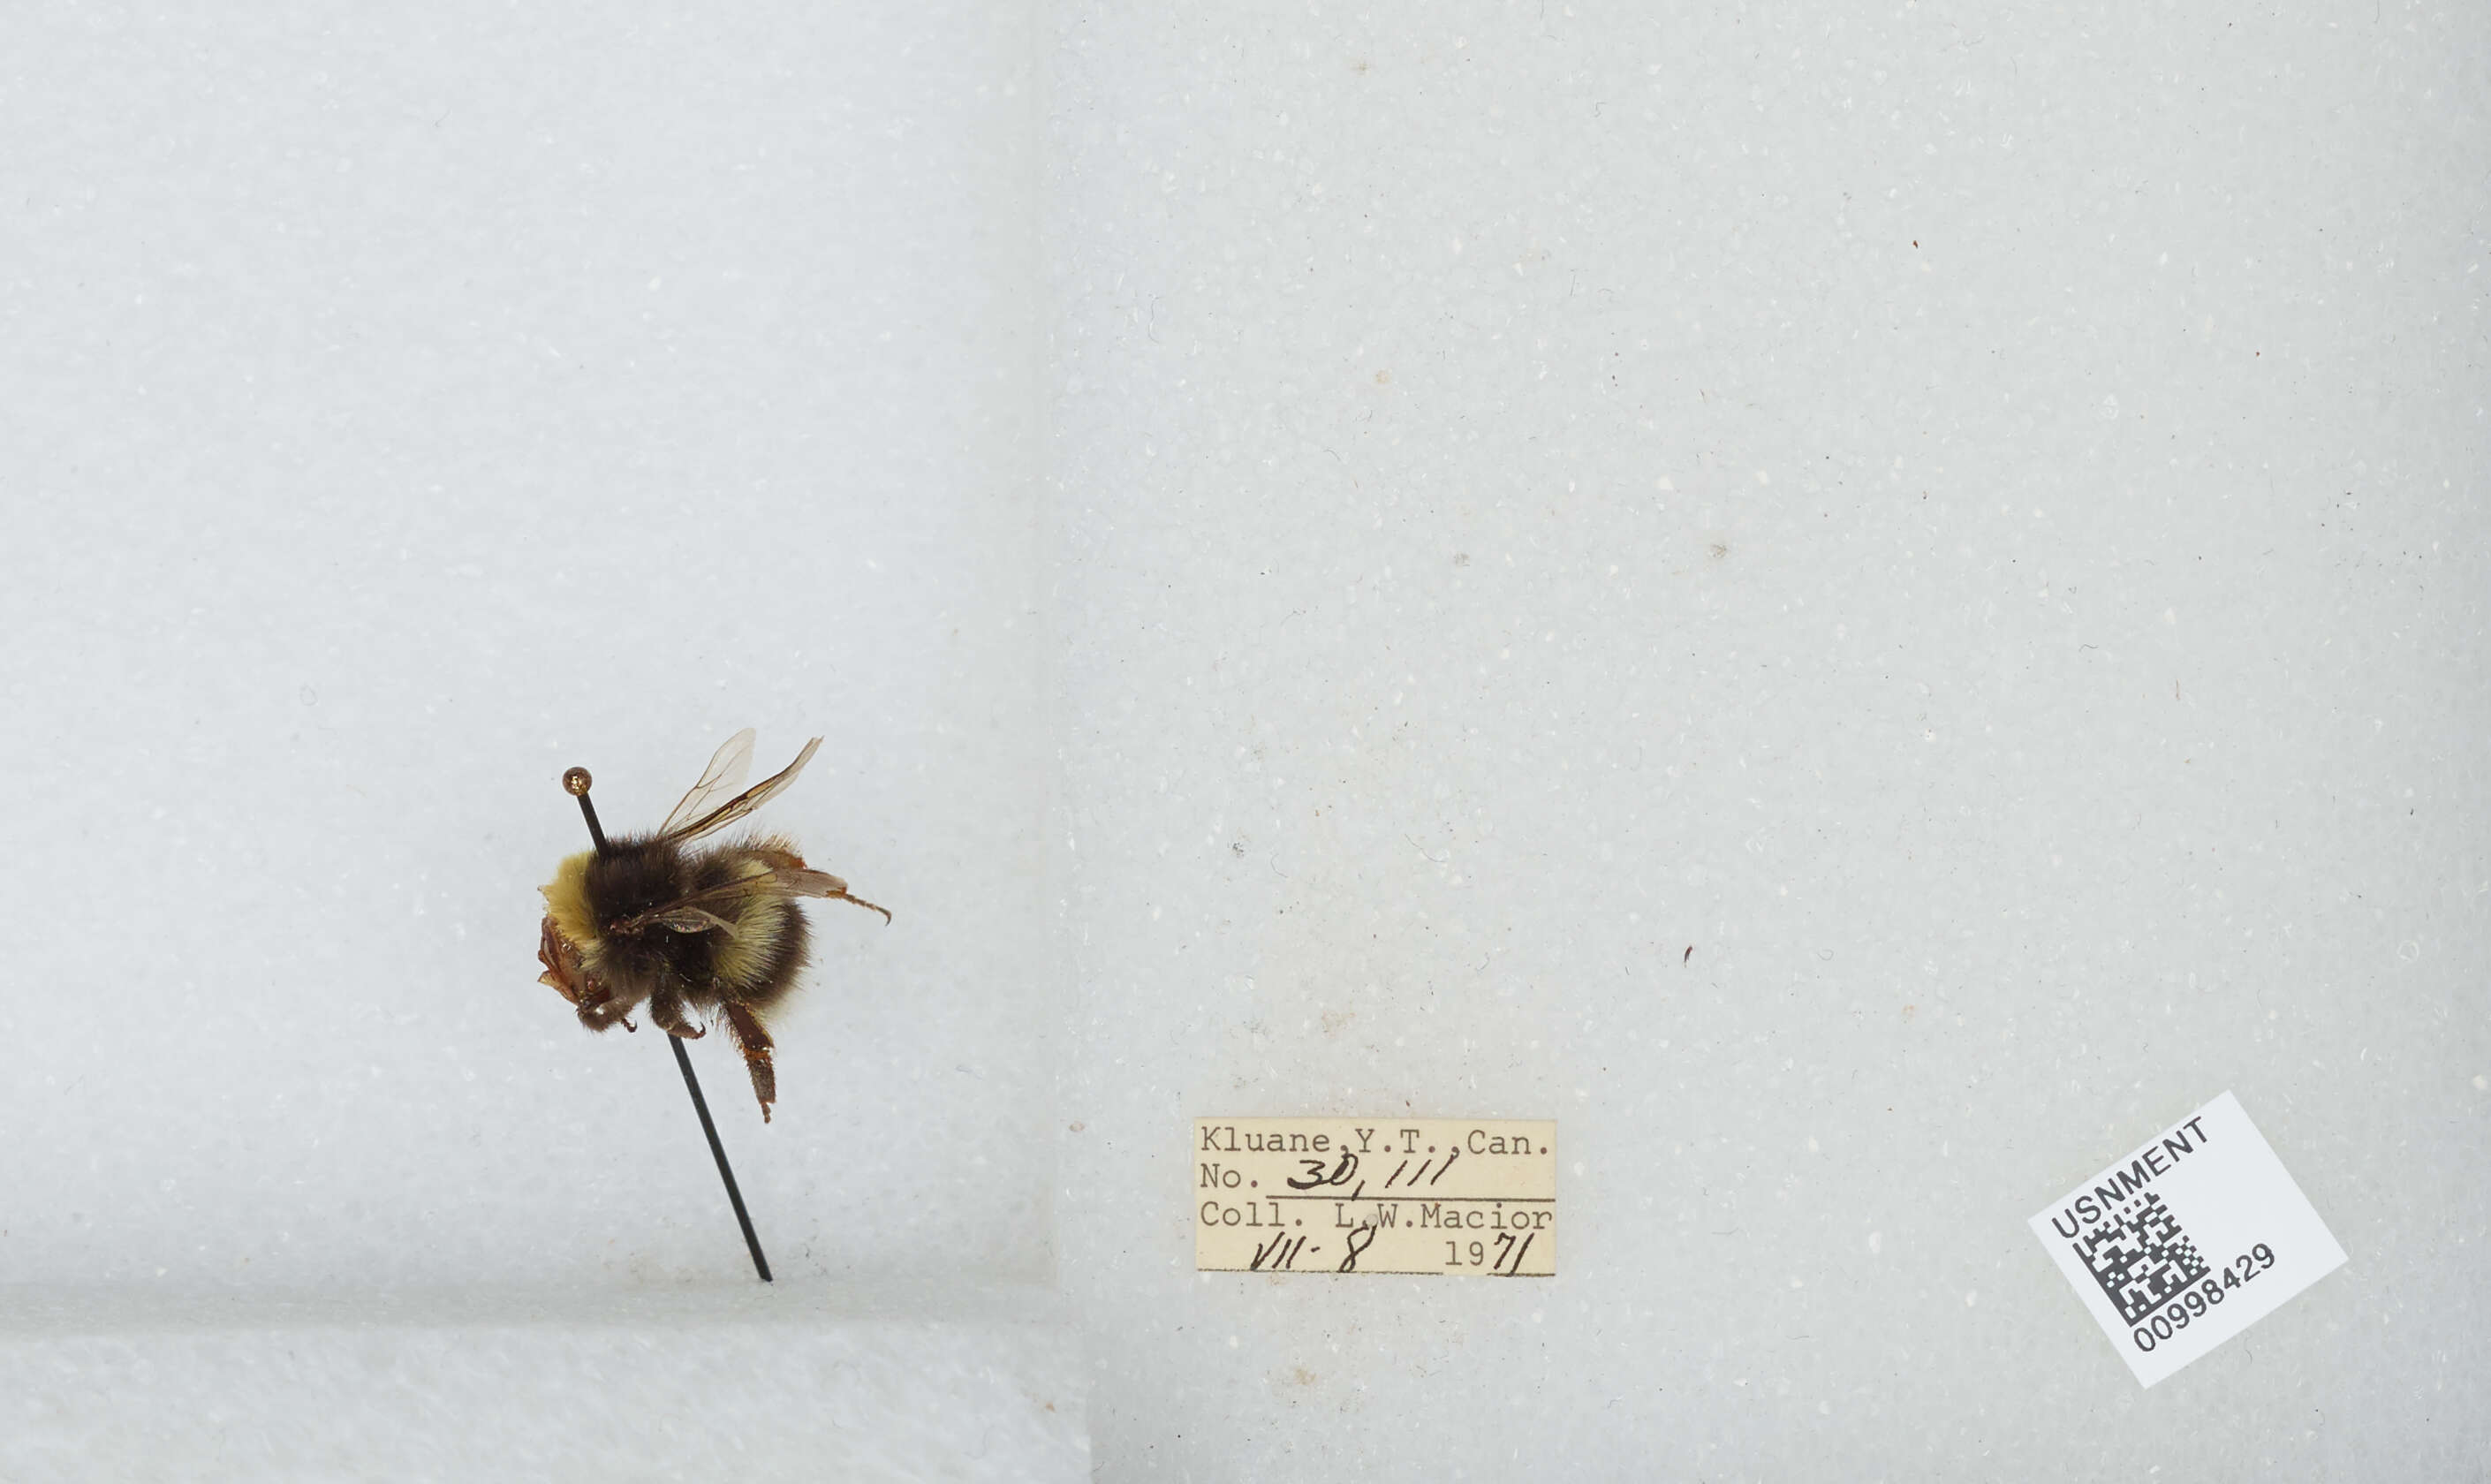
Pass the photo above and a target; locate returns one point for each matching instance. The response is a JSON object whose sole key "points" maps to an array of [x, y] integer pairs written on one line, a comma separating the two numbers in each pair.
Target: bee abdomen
{"points": [[759, 957]]}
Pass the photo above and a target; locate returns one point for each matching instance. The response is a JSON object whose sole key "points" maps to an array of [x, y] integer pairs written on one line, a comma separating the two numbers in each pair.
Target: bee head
{"points": [[566, 909], [571, 946]]}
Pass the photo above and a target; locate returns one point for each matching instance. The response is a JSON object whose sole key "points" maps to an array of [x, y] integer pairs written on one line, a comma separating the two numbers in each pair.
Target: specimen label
{"points": [[1376, 1195], [2189, 1240]]}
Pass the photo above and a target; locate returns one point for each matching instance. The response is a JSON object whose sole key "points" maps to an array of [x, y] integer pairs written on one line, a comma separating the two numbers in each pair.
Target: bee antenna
{"points": [[576, 782]]}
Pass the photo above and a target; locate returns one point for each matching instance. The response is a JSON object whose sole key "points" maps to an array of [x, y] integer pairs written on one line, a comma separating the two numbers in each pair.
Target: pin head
{"points": [[574, 782]]}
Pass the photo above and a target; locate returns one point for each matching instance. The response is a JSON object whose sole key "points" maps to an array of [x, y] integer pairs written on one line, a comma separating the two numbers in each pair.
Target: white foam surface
{"points": [[403, 406], [800, 1381], [1861, 608], [1969, 518], [405, 410]]}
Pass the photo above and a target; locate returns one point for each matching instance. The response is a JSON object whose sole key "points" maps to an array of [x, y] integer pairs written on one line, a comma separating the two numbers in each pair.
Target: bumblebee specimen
{"points": [[653, 920]]}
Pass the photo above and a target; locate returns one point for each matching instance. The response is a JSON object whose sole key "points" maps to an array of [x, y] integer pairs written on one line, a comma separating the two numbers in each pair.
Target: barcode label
{"points": [[2140, 1257], [2192, 1237]]}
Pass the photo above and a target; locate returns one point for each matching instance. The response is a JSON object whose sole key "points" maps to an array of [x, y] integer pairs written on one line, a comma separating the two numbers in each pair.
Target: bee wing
{"points": [[684, 918], [677, 829], [690, 913], [720, 780]]}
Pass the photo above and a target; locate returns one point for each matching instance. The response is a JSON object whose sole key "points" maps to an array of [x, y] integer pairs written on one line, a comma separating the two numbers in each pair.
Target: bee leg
{"points": [[867, 906], [604, 1014], [667, 1012], [755, 1044], [783, 859], [776, 856]]}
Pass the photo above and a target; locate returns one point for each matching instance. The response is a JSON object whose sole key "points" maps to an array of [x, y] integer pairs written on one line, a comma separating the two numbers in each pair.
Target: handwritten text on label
{"points": [[1365, 1195]]}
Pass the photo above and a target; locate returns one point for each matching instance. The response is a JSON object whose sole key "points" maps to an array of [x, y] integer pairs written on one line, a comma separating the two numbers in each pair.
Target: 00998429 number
{"points": [[2175, 1316]]}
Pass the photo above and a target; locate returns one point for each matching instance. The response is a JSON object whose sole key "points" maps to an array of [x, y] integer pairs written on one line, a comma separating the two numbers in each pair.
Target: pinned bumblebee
{"points": [[715, 931]]}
